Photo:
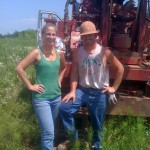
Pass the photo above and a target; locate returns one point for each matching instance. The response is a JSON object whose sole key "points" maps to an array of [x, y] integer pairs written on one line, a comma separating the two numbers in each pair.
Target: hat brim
{"points": [[93, 32]]}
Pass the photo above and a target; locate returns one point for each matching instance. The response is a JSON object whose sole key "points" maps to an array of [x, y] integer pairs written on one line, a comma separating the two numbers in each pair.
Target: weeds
{"points": [[19, 129], [123, 133]]}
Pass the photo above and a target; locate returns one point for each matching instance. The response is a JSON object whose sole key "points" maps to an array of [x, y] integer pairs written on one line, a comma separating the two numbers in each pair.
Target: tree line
{"points": [[22, 34]]}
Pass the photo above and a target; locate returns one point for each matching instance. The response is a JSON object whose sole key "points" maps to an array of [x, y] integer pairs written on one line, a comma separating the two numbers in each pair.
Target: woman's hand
{"points": [[39, 88]]}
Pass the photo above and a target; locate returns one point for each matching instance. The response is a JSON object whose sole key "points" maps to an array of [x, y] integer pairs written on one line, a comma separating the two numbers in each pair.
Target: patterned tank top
{"points": [[93, 69]]}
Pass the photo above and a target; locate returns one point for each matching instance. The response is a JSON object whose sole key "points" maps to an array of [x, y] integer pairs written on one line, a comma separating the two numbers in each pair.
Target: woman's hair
{"points": [[48, 25]]}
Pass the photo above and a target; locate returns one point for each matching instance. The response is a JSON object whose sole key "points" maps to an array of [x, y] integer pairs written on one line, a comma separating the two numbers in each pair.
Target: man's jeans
{"points": [[96, 104], [47, 111]]}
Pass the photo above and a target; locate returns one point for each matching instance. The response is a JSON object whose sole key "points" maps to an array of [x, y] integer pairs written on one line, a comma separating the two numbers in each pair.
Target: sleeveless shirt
{"points": [[47, 74], [93, 69]]}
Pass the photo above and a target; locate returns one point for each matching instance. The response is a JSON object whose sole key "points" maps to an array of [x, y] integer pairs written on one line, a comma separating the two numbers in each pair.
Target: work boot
{"points": [[87, 145], [96, 148], [63, 146]]}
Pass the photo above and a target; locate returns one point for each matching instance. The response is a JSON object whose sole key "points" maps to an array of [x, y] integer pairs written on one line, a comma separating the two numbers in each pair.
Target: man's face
{"points": [[88, 39]]}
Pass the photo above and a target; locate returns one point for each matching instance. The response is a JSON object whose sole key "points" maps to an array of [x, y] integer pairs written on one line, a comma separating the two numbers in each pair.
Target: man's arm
{"points": [[73, 79], [62, 66], [74, 73], [119, 70]]}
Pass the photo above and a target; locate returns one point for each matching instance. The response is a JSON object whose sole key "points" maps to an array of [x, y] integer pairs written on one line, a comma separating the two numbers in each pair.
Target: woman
{"points": [[46, 94]]}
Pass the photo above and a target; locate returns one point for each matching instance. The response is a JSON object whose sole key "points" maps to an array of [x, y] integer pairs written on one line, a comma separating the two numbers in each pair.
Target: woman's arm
{"points": [[29, 60]]}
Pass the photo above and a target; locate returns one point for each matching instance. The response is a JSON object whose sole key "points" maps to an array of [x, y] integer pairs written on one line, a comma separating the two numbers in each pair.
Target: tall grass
{"points": [[18, 126], [120, 133], [126, 133], [19, 129]]}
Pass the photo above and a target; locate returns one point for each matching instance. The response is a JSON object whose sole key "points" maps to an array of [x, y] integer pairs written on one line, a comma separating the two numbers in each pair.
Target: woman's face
{"points": [[49, 36]]}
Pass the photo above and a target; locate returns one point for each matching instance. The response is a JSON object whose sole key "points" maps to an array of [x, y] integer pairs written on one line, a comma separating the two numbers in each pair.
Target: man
{"points": [[90, 84]]}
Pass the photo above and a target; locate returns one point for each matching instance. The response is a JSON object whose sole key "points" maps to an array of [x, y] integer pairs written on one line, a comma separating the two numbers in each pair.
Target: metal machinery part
{"points": [[44, 17], [125, 29]]}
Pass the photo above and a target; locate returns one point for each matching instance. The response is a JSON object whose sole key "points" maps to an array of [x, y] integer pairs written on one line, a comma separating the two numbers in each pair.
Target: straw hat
{"points": [[88, 27]]}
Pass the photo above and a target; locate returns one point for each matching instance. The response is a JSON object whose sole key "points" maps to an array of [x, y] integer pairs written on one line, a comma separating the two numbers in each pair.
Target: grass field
{"points": [[18, 126]]}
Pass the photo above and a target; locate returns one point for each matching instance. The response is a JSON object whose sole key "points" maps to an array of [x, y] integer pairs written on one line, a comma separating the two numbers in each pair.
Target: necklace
{"points": [[49, 54]]}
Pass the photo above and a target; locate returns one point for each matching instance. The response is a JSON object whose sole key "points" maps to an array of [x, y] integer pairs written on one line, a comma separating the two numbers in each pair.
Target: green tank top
{"points": [[47, 74]]}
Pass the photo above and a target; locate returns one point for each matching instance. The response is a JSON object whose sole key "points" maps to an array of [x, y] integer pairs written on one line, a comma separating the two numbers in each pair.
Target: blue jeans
{"points": [[96, 104], [47, 111]]}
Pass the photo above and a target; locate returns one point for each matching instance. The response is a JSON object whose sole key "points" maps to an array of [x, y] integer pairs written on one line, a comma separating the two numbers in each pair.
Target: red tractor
{"points": [[125, 28]]}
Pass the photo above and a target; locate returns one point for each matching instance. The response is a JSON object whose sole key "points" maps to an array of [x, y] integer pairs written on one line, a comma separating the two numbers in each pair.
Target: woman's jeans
{"points": [[47, 111], [96, 104]]}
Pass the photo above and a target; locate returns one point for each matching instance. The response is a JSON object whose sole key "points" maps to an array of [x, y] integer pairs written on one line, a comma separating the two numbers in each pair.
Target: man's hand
{"points": [[69, 96], [108, 89], [112, 98]]}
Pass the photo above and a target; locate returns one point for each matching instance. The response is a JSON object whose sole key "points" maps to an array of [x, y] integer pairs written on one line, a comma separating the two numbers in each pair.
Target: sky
{"points": [[19, 15]]}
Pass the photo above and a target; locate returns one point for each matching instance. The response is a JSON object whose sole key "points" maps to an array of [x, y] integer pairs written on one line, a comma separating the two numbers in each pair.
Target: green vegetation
{"points": [[19, 129], [120, 133], [18, 126], [126, 133]]}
